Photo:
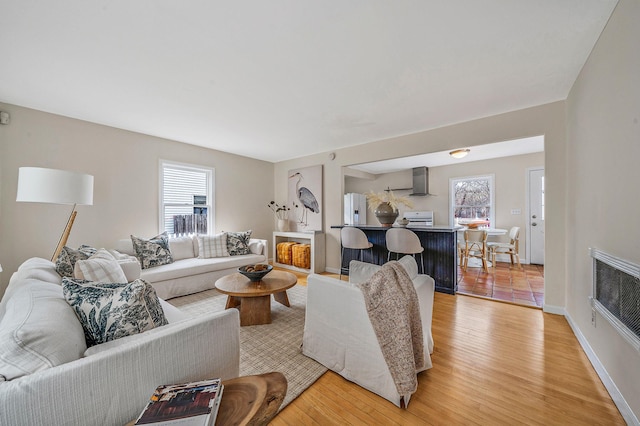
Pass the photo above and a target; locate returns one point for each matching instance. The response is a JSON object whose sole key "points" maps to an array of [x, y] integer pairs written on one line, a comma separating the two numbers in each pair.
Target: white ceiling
{"points": [[277, 79], [442, 158]]}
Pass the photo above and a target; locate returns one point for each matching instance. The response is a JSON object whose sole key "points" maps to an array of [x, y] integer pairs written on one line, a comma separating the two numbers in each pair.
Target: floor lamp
{"points": [[39, 185]]}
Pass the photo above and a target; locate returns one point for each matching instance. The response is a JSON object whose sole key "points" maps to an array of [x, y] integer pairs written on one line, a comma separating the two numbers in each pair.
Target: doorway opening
{"points": [[505, 283], [512, 166]]}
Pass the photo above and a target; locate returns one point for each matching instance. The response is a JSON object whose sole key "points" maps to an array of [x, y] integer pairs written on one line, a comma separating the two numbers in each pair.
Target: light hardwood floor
{"points": [[494, 363]]}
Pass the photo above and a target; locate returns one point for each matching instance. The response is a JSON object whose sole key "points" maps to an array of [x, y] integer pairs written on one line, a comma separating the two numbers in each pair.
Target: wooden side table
{"points": [[250, 400]]}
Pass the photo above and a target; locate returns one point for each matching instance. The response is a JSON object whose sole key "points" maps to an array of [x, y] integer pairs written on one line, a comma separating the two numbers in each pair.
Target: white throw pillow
{"points": [[102, 267], [212, 246], [360, 272], [181, 248], [125, 246], [256, 247], [410, 265]]}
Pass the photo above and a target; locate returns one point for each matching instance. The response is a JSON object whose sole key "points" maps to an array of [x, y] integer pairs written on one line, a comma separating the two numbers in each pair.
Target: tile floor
{"points": [[505, 283]]}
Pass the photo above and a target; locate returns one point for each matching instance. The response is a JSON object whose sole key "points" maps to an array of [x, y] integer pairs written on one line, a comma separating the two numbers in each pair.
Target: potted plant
{"points": [[281, 213], [385, 205]]}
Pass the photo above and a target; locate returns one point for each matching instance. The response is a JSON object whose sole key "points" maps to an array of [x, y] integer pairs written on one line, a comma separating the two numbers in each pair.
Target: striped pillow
{"points": [[102, 267], [212, 246]]}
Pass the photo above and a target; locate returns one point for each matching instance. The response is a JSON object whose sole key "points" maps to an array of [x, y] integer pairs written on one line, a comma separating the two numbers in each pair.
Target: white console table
{"points": [[315, 239]]}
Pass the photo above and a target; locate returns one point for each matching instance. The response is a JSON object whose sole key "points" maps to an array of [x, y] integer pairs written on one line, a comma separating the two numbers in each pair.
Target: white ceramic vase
{"points": [[283, 225]]}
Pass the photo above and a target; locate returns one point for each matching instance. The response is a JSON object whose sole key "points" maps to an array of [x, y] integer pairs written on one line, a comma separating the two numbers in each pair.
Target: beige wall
{"points": [[510, 180], [603, 121], [547, 120], [125, 166]]}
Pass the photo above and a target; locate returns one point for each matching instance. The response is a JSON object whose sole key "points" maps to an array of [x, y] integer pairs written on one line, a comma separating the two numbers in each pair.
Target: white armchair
{"points": [[339, 335]]}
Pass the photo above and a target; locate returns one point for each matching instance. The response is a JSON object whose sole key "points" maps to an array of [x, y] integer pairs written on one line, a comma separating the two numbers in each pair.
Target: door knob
{"points": [[534, 216], [534, 224]]}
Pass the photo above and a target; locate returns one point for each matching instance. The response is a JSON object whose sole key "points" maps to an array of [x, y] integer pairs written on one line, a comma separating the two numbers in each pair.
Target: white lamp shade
{"points": [[40, 185]]}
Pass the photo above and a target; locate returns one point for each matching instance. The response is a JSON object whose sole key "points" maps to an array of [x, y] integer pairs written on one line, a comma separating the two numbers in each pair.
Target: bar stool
{"points": [[353, 238], [404, 241]]}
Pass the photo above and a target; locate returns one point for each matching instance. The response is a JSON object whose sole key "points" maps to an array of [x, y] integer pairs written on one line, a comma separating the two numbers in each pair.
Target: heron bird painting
{"points": [[307, 201]]}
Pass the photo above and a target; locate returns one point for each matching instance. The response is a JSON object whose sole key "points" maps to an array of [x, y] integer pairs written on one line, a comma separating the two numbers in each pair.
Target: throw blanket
{"points": [[394, 312]]}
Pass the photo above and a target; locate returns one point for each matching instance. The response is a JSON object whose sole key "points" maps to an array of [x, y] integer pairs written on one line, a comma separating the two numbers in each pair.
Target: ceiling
{"points": [[277, 80], [442, 158]]}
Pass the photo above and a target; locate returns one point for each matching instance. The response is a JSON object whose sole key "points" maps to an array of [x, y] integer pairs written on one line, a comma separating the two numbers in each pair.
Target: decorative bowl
{"points": [[254, 275]]}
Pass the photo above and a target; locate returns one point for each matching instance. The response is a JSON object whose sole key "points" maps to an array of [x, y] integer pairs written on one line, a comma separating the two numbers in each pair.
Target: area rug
{"points": [[269, 347]]}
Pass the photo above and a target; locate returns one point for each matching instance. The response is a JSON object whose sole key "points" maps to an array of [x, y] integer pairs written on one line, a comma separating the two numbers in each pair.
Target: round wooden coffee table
{"points": [[253, 299]]}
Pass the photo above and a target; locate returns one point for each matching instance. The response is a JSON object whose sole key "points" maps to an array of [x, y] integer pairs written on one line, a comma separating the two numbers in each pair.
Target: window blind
{"points": [[185, 200]]}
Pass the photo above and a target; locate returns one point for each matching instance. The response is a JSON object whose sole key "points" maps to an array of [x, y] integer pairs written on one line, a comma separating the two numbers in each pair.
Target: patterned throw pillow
{"points": [[68, 257], [238, 243], [102, 267], [111, 311], [152, 252], [212, 246]]}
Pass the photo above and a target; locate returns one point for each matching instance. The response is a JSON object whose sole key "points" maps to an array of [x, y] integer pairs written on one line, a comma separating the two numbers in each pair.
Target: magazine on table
{"points": [[186, 404]]}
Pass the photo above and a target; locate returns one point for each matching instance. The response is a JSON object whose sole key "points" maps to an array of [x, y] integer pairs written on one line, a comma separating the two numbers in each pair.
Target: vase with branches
{"points": [[281, 213], [385, 205]]}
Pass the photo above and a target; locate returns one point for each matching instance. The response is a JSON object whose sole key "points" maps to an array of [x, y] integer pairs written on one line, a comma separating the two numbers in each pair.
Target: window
{"points": [[186, 199], [472, 198]]}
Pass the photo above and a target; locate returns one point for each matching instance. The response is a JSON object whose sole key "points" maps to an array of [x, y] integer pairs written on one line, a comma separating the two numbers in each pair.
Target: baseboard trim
{"points": [[556, 310], [609, 384]]}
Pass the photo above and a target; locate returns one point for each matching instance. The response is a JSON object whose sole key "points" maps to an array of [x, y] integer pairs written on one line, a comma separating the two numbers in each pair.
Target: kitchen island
{"points": [[440, 252]]}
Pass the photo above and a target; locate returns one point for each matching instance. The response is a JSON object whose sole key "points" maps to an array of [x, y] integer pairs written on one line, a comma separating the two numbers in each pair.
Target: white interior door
{"points": [[535, 223]]}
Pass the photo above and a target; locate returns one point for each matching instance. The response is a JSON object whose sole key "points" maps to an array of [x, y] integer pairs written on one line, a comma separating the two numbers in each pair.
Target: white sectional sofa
{"points": [[49, 377], [339, 335], [188, 273]]}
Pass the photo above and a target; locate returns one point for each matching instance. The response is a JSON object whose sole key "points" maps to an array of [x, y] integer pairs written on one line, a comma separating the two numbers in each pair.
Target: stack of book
{"points": [[190, 404]]}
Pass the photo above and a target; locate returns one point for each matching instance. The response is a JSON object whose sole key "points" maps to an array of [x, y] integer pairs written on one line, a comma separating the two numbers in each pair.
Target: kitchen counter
{"points": [[434, 228], [440, 254]]}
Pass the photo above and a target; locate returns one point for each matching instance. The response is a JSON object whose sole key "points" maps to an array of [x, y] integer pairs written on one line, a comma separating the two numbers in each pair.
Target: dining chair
{"points": [[511, 248], [475, 246], [404, 241], [353, 238]]}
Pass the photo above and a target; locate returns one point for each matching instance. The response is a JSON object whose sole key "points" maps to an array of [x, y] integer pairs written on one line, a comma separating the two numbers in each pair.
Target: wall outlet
{"points": [[516, 211]]}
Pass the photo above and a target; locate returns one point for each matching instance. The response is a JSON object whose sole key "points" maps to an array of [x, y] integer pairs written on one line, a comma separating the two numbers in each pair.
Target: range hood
{"points": [[420, 181]]}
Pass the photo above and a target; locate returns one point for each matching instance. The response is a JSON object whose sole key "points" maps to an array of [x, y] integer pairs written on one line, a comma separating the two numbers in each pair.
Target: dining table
{"points": [[490, 231]]}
